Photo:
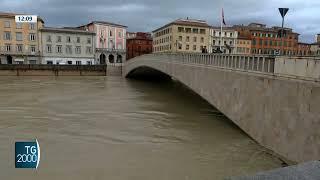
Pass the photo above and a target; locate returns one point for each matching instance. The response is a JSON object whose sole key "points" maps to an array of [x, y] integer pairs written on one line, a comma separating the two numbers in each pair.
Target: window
{"points": [[32, 37], [8, 47], [48, 38], [88, 40], [110, 33], [231, 34], [59, 49], [180, 29], [88, 50], [19, 36], [69, 62], [214, 42], [31, 26], [195, 30], [225, 34], [7, 36], [68, 39], [19, 25], [202, 39], [194, 47], [78, 50], [78, 39], [89, 63], [260, 42], [78, 62], [120, 34], [33, 48], [187, 39], [187, 47], [188, 30], [202, 31], [230, 42], [49, 62], [7, 24], [180, 46], [19, 47], [69, 49], [58, 38], [194, 39], [49, 48], [180, 38]]}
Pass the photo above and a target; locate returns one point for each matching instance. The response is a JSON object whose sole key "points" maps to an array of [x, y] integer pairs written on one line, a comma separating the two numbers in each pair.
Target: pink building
{"points": [[110, 41]]}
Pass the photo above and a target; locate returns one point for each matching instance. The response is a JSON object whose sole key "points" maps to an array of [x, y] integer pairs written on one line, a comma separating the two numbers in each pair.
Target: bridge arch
{"points": [[268, 107]]}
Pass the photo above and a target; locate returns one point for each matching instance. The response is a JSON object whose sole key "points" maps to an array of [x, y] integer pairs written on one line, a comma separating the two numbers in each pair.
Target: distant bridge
{"points": [[276, 100]]}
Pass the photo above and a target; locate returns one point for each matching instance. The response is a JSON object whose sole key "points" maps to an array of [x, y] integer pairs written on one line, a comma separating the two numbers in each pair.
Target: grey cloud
{"points": [[146, 15]]}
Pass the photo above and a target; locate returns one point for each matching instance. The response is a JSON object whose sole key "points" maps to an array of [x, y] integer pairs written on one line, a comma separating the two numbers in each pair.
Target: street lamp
{"points": [[283, 12]]}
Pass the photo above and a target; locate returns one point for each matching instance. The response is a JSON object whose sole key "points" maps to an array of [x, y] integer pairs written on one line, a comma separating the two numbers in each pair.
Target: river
{"points": [[92, 128]]}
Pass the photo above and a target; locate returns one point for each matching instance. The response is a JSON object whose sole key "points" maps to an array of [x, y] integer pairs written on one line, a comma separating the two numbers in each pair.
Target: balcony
{"points": [[19, 53], [110, 50]]}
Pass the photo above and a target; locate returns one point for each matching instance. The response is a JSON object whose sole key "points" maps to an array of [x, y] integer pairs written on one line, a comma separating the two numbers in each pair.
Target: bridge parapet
{"points": [[305, 68]]}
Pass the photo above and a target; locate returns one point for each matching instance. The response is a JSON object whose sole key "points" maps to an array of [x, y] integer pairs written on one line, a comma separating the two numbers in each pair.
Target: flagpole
{"points": [[221, 28]]}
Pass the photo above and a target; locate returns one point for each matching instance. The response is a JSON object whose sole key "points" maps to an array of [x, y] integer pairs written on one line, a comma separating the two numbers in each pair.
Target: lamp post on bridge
{"points": [[283, 12]]}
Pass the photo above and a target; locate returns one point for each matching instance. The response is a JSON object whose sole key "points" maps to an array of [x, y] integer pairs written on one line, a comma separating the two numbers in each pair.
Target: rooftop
{"points": [[186, 22], [262, 27], [106, 23], [65, 30]]}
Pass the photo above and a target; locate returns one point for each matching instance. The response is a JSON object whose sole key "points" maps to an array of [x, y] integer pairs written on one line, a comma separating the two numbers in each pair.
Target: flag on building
{"points": [[223, 21]]}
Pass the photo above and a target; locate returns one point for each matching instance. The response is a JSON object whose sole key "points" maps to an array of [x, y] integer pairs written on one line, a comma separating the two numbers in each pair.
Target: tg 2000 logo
{"points": [[27, 154]]}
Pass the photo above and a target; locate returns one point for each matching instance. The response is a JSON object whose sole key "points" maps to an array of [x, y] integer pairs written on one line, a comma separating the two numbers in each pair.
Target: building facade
{"points": [[304, 49], [315, 47], [19, 42], [267, 40], [110, 41], [67, 46], [182, 35], [138, 44], [226, 41], [243, 45]]}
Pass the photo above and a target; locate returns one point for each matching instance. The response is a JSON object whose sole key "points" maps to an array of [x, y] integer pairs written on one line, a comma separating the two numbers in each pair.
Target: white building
{"points": [[67, 46], [227, 40]]}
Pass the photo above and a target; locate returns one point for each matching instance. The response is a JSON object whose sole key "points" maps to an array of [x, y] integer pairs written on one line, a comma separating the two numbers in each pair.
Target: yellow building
{"points": [[243, 45], [182, 35], [19, 42]]}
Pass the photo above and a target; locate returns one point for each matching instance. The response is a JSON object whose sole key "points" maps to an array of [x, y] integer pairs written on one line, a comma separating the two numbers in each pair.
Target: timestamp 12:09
{"points": [[26, 18]]}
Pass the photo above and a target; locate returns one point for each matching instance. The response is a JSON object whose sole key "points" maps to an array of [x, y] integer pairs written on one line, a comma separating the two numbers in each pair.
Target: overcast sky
{"points": [[147, 15]]}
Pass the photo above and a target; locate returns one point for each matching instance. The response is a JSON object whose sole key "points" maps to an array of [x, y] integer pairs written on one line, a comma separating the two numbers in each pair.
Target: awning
{"points": [[20, 60]]}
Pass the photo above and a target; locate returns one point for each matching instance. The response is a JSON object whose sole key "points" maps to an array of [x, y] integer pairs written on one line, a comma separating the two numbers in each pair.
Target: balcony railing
{"points": [[22, 53], [110, 50]]}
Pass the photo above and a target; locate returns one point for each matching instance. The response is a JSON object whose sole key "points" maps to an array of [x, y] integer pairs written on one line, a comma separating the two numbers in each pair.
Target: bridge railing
{"points": [[253, 63], [303, 68]]}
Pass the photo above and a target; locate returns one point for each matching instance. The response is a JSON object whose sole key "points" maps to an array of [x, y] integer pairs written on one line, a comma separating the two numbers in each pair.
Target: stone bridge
{"points": [[275, 100]]}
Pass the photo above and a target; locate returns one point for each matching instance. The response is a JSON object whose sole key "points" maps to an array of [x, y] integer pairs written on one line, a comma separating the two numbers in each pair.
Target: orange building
{"points": [[19, 42], [304, 49], [138, 44], [243, 45], [266, 40]]}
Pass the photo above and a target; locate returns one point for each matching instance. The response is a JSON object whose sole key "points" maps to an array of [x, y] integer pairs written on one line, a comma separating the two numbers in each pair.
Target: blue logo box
{"points": [[27, 154]]}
